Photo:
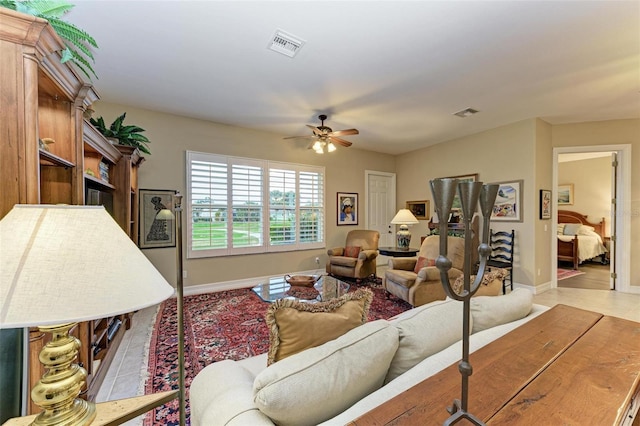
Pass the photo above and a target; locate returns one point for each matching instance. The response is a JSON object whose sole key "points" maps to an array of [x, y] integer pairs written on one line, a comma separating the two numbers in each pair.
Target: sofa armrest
{"points": [[432, 273], [222, 394], [337, 251], [368, 254], [403, 263]]}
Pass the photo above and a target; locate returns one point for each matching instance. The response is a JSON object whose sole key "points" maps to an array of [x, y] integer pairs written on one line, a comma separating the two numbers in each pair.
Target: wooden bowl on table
{"points": [[300, 280]]}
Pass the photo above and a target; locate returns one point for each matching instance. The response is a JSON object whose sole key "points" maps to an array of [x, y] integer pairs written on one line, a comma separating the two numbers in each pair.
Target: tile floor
{"points": [[128, 369]]}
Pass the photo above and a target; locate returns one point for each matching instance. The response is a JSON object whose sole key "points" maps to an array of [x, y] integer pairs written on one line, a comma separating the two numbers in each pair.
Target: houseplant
{"points": [[78, 42], [124, 135]]}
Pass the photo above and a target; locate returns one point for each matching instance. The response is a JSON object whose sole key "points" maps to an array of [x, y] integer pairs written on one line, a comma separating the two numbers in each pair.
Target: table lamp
{"points": [[60, 265], [403, 218]]}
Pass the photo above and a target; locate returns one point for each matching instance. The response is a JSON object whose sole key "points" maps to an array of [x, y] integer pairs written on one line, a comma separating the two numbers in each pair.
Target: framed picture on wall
{"points": [[508, 205], [420, 209], [565, 194], [347, 213], [156, 232], [545, 204], [457, 204]]}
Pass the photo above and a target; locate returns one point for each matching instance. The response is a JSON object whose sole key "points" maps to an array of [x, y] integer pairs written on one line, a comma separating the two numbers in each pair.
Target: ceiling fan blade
{"points": [[344, 132], [340, 141], [300, 137], [316, 131]]}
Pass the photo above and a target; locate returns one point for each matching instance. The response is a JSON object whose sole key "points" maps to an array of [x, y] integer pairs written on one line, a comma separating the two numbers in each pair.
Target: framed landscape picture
{"points": [[565, 194], [347, 213], [155, 232], [508, 205]]}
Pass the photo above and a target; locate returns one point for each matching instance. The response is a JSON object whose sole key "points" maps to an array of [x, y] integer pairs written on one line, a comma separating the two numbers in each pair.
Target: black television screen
{"points": [[96, 197]]}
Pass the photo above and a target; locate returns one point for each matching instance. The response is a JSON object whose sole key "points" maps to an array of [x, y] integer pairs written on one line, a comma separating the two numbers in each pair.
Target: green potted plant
{"points": [[78, 42], [124, 135]]}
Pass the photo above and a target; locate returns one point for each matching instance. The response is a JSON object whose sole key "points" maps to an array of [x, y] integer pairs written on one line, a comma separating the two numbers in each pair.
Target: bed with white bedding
{"points": [[579, 239]]}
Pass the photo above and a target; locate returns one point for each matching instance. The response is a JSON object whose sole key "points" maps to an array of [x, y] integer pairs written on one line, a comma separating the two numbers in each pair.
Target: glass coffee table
{"points": [[325, 288]]}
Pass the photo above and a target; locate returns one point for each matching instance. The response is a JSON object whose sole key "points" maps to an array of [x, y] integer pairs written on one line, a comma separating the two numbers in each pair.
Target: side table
{"points": [[116, 412], [397, 251]]}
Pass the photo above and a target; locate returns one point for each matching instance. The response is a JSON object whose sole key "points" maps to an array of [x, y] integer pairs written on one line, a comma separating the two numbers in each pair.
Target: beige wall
{"points": [[521, 150], [612, 132], [544, 234], [497, 155], [172, 135]]}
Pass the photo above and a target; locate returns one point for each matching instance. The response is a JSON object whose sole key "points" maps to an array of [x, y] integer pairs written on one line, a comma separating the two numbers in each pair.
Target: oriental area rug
{"points": [[223, 325], [563, 274]]}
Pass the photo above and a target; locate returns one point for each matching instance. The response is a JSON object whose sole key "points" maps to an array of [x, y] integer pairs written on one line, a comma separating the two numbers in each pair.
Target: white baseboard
{"points": [[236, 284], [534, 289]]}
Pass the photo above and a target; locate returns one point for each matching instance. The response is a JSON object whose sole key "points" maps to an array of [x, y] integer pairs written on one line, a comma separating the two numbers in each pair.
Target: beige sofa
{"points": [[344, 378]]}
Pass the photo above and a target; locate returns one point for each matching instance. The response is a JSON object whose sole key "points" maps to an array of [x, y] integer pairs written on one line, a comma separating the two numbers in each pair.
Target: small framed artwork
{"points": [[545, 204], [347, 208], [156, 232], [457, 204], [508, 205], [565, 194], [420, 209]]}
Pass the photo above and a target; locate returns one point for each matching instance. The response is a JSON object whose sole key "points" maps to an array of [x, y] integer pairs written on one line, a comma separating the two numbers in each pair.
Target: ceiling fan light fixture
{"points": [[317, 146], [331, 147]]}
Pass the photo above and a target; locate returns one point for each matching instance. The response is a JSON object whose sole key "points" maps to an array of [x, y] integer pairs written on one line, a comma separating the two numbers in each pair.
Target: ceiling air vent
{"points": [[285, 43], [468, 112]]}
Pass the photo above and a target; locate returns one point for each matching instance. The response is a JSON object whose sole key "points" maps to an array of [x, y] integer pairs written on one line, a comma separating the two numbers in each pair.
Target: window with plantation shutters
{"points": [[241, 205]]}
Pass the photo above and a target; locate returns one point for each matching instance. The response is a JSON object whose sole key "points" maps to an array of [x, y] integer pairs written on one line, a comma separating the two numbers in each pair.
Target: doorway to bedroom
{"points": [[585, 187], [594, 181]]}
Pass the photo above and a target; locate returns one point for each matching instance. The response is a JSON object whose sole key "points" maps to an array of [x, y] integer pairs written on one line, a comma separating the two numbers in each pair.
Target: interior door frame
{"points": [[622, 223]]}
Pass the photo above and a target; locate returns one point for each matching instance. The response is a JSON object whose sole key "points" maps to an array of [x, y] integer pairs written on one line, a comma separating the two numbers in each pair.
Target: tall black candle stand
{"points": [[444, 191]]}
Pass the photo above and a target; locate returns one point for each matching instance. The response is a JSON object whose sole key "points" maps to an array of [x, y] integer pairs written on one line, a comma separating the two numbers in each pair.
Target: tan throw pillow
{"points": [[487, 278], [295, 326], [351, 251], [423, 262]]}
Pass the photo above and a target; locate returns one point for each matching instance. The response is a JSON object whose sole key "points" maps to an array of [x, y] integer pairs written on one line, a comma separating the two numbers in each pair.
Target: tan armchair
{"points": [[425, 286], [342, 262]]}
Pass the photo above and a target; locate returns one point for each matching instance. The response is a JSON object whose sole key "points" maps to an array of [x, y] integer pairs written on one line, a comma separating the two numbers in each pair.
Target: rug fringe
{"points": [[144, 369]]}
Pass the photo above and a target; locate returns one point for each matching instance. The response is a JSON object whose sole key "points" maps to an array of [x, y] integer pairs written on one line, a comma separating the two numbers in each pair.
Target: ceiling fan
{"points": [[325, 137]]}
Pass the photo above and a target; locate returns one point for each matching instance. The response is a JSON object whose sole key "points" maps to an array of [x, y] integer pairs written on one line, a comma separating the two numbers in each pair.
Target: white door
{"points": [[381, 205]]}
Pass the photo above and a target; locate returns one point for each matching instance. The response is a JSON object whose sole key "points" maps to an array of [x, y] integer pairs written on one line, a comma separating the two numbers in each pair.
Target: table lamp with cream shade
{"points": [[60, 265], [404, 217]]}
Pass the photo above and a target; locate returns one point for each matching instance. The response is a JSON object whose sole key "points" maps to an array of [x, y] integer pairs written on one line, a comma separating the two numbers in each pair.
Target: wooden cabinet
{"points": [[41, 98]]}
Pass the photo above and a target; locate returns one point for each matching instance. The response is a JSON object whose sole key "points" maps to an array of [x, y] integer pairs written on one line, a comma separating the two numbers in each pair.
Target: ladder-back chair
{"points": [[501, 243]]}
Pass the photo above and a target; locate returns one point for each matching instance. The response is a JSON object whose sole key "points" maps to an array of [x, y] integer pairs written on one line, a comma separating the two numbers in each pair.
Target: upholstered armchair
{"points": [[417, 280], [357, 259]]}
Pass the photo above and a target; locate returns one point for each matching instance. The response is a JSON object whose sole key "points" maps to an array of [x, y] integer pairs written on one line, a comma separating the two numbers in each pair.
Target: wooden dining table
{"points": [[567, 366]]}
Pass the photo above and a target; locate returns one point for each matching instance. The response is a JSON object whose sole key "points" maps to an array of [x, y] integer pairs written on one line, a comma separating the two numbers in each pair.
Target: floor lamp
{"points": [[61, 265], [166, 214]]}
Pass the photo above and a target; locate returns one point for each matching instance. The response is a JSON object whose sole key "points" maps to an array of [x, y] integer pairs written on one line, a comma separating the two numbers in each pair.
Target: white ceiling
{"points": [[395, 70]]}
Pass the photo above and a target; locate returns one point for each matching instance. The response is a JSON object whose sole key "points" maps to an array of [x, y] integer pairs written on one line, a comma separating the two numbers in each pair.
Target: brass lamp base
{"points": [[58, 389]]}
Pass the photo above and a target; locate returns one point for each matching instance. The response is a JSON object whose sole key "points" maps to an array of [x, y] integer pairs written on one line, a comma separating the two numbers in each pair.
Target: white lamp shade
{"points": [[404, 217], [61, 264]]}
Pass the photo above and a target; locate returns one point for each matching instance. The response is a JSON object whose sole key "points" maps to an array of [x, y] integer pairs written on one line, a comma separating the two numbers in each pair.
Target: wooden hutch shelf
{"points": [[42, 98]]}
